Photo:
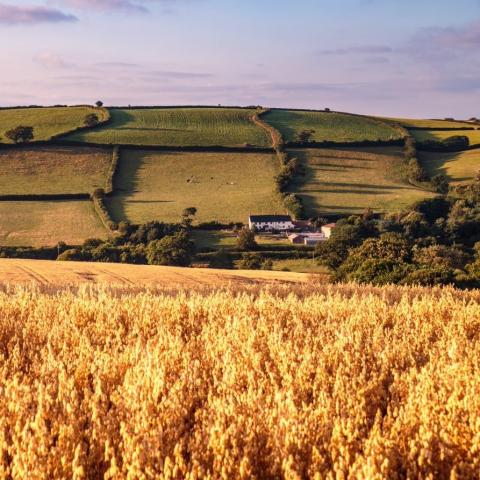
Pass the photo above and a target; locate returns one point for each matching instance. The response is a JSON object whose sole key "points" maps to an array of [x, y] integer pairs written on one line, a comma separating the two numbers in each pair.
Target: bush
{"points": [[174, 250], [20, 134], [246, 240]]}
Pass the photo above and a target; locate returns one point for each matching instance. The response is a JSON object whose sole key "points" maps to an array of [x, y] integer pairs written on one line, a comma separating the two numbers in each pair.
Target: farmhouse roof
{"points": [[270, 218]]}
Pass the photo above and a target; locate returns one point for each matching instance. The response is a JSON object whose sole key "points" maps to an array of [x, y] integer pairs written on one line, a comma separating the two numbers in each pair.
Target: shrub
{"points": [[20, 134], [246, 240]]}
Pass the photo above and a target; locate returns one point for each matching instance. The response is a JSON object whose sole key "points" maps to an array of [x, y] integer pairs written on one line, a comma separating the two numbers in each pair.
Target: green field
{"points": [[53, 170], [334, 127], [422, 135], [351, 180], [179, 127], [459, 167], [223, 186], [301, 265], [427, 123], [46, 223], [45, 121], [216, 239]]}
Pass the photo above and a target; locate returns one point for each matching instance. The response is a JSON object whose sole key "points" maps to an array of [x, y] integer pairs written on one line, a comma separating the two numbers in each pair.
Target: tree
{"points": [[246, 240], [187, 216], [440, 182], [20, 134], [305, 136], [99, 103], [91, 120], [250, 261], [174, 249]]}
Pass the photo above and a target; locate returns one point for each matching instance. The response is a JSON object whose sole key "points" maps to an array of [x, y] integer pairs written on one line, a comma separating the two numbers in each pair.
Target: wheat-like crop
{"points": [[324, 382]]}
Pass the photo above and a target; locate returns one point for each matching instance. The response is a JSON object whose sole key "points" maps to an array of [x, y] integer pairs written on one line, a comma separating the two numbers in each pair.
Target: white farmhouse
{"points": [[327, 229], [270, 222]]}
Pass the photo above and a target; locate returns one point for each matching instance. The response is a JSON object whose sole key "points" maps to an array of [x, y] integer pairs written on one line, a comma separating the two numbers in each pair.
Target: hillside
{"points": [[286, 382], [16, 271], [231, 127], [225, 187], [330, 127], [53, 170], [46, 122], [344, 181]]}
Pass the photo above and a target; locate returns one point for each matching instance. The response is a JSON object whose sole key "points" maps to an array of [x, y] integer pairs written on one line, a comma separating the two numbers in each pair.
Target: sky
{"points": [[413, 58]]}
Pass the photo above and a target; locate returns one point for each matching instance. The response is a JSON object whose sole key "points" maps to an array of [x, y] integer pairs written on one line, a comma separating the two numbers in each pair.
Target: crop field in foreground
{"points": [[179, 127], [422, 135], [52, 170], [47, 272], [223, 186], [460, 167], [349, 181], [293, 382], [46, 121], [333, 127], [46, 223]]}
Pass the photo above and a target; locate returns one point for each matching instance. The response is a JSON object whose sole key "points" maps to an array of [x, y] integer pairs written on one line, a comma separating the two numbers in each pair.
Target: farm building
{"points": [[327, 229], [307, 238], [270, 222]]}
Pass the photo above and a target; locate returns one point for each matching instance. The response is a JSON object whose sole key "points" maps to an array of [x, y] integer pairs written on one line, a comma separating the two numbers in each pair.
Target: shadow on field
{"points": [[128, 183]]}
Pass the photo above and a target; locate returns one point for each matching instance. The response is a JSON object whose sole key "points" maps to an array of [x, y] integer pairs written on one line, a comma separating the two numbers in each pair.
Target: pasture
{"points": [[179, 127], [53, 170], [422, 135], [343, 181], [332, 127], [45, 223], [225, 187], [45, 121], [428, 123], [459, 167]]}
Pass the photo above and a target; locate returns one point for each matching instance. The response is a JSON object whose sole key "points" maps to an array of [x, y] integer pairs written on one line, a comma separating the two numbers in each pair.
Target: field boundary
{"points": [[102, 122]]}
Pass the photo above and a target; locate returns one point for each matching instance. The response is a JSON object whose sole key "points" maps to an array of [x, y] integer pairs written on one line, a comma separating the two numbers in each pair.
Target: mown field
{"points": [[46, 121], [179, 127], [461, 167], [333, 127], [225, 187], [53, 170], [44, 223], [46, 272], [351, 180], [314, 381], [422, 135]]}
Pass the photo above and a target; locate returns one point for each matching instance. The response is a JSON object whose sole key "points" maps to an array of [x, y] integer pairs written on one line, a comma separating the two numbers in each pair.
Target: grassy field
{"points": [[459, 167], [51, 170], [223, 186], [349, 181], [179, 127], [305, 381], [335, 127], [422, 135], [428, 123], [222, 239], [46, 223], [301, 265], [46, 121]]}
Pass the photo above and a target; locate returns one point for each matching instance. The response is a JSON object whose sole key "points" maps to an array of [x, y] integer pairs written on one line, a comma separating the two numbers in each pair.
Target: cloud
{"points": [[165, 74], [464, 37], [140, 6], [363, 49], [13, 15], [50, 60], [128, 5]]}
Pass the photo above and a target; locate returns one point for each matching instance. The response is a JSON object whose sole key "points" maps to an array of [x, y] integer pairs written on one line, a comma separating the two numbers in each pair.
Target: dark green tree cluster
{"points": [[436, 242]]}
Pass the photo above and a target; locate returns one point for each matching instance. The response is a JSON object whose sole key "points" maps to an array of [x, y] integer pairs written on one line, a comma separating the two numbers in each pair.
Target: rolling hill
{"points": [[231, 127]]}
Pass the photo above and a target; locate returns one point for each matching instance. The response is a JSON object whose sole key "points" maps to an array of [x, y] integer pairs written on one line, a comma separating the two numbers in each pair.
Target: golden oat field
{"points": [[290, 381]]}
